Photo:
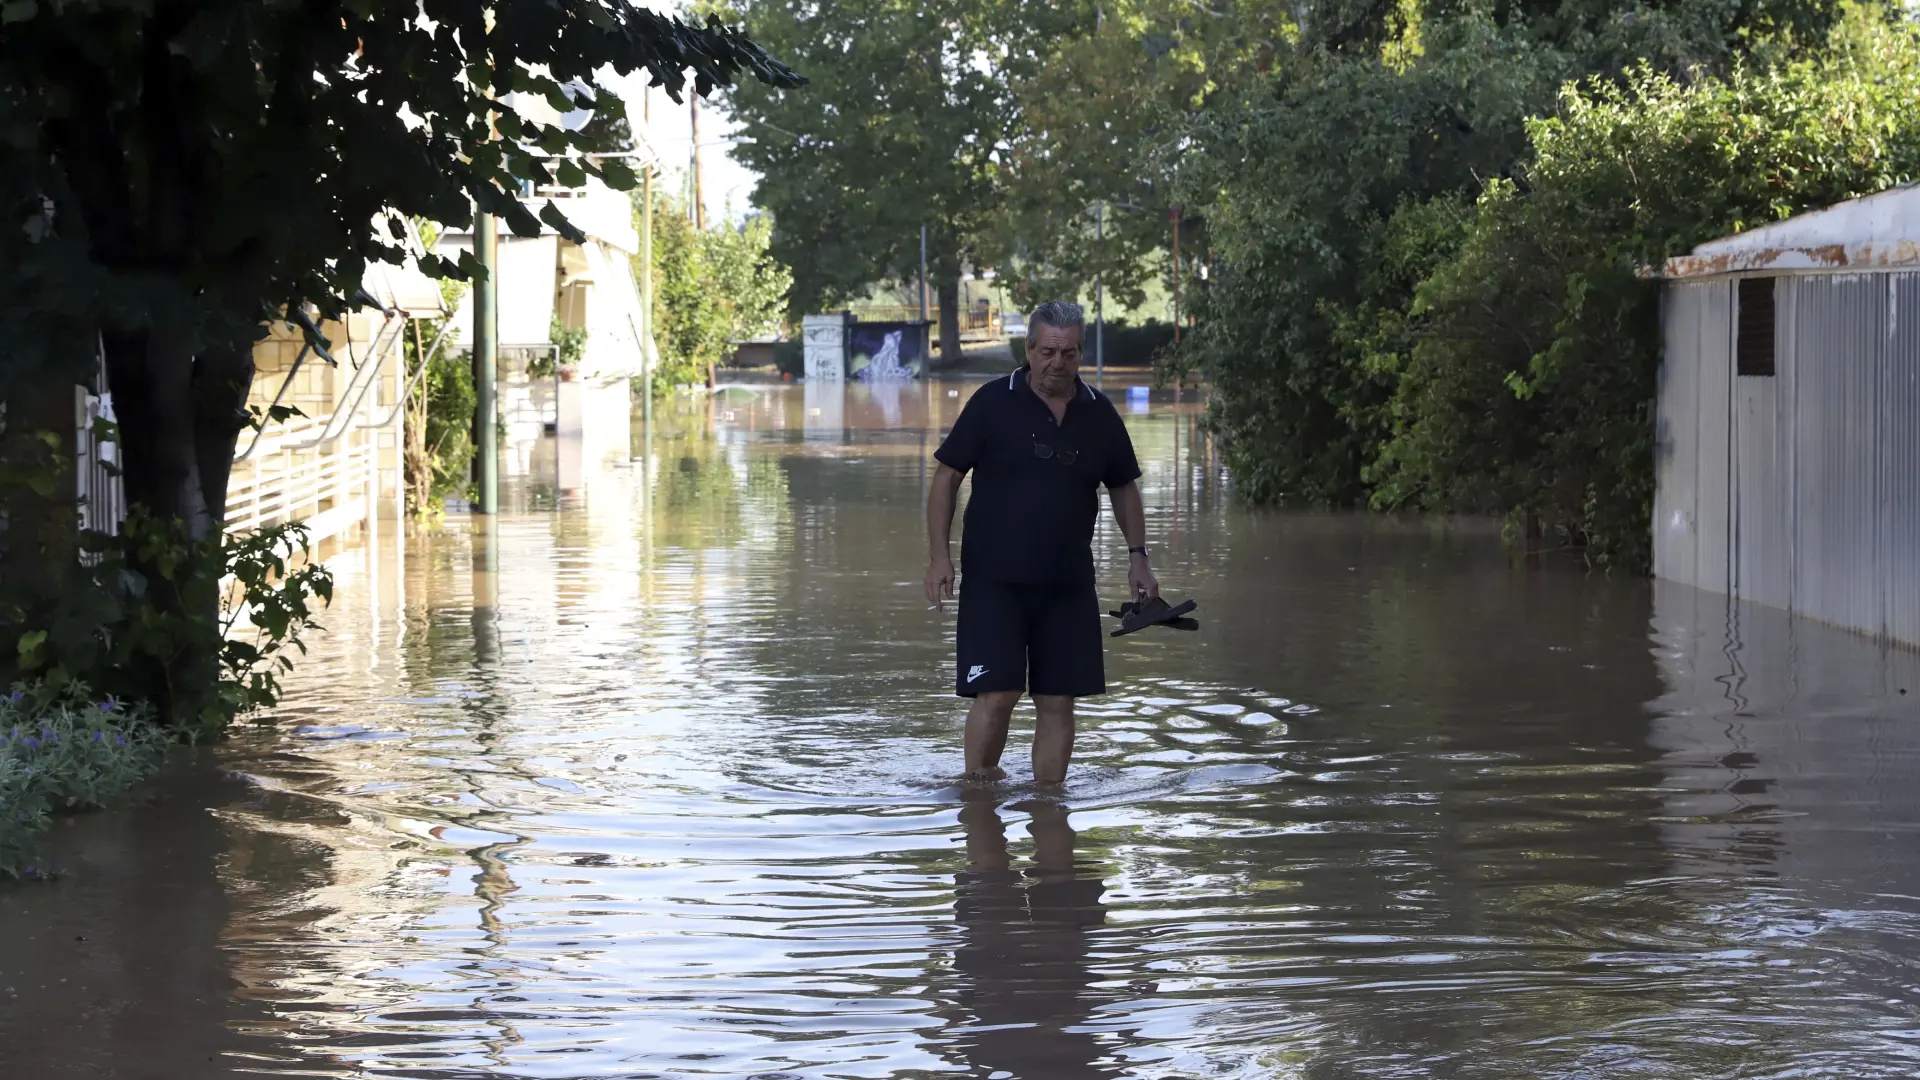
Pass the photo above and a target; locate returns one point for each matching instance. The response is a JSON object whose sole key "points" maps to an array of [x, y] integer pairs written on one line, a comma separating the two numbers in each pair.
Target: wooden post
{"points": [[699, 205]]}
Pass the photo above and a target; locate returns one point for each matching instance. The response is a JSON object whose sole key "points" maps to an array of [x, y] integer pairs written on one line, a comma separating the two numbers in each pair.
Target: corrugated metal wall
{"points": [[1799, 490], [1836, 433], [1676, 437], [1900, 459], [1762, 466], [1691, 503]]}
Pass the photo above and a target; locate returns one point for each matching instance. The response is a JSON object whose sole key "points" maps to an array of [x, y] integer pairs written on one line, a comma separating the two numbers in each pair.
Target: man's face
{"points": [[1053, 354]]}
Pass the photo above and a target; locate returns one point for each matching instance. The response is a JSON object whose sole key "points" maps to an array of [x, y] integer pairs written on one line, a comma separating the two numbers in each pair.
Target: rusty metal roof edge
{"points": [[1825, 258]]}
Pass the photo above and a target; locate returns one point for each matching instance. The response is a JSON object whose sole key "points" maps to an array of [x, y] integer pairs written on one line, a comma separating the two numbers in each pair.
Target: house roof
{"points": [[1874, 232]]}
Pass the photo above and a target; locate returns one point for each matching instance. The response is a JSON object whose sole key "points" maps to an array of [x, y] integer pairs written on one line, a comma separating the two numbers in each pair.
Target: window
{"points": [[1754, 328]]}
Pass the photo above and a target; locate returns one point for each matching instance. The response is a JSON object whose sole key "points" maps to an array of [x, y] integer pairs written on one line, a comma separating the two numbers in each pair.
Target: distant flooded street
{"points": [[655, 778]]}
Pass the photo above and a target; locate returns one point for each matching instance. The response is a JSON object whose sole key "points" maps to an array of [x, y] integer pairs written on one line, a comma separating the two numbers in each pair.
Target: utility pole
{"points": [[647, 347], [926, 331], [699, 204], [486, 364], [1100, 298]]}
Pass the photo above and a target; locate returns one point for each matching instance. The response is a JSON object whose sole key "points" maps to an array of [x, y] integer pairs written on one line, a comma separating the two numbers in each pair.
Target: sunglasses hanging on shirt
{"points": [[1044, 452]]}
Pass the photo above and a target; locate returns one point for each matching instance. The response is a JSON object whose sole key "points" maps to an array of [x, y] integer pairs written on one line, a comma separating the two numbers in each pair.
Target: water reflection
{"points": [[1023, 977], [659, 783]]}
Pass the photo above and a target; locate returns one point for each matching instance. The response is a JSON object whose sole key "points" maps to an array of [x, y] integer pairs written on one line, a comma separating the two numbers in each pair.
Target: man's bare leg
{"points": [[987, 724], [1052, 738]]}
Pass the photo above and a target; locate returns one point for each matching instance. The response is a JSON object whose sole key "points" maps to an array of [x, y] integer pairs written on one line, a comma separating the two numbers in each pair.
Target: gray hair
{"points": [[1059, 314]]}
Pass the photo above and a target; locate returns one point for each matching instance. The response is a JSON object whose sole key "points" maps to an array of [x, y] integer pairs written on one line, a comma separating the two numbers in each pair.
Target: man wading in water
{"points": [[1039, 443]]}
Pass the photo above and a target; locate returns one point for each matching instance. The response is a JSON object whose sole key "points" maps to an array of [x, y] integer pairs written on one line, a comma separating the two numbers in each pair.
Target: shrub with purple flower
{"points": [[61, 752]]}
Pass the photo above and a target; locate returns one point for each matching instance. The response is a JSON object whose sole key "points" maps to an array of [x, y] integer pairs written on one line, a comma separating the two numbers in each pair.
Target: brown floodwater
{"points": [[655, 778]]}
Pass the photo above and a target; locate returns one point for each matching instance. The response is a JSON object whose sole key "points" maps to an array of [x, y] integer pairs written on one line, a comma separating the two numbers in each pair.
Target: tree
{"points": [[1335, 187], [907, 123], [1539, 405], [710, 288], [1102, 130], [176, 174]]}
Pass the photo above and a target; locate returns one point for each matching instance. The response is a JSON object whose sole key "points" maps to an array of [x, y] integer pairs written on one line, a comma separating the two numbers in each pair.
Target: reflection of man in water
{"points": [[1040, 444], [1022, 958]]}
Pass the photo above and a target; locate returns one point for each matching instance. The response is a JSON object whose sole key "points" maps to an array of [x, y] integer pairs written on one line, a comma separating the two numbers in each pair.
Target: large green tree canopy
{"points": [[907, 122]]}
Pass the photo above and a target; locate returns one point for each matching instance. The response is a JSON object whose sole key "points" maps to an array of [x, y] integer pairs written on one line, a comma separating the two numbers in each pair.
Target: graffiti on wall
{"points": [[880, 351]]}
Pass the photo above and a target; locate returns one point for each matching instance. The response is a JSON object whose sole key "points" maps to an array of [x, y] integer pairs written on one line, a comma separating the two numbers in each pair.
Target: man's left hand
{"points": [[1140, 580]]}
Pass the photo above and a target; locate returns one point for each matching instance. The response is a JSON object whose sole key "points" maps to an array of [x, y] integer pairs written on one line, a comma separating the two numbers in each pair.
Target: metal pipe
{"points": [[486, 363], [281, 393], [364, 376], [426, 361]]}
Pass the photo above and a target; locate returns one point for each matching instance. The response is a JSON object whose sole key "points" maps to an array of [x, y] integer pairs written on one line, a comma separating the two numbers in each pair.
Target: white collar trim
{"points": [[1015, 374]]}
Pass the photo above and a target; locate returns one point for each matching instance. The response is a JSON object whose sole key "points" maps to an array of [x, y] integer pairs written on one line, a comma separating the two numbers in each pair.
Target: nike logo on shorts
{"points": [[975, 672]]}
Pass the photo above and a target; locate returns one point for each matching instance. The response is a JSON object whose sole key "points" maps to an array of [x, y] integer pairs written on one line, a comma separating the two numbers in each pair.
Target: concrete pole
{"points": [[648, 346], [486, 364]]}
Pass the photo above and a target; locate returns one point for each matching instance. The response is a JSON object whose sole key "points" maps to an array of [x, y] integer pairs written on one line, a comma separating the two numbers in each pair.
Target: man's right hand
{"points": [[939, 580]]}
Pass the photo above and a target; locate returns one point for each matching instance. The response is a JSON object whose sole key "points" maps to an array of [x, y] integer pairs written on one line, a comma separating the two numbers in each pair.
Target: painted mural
{"points": [[879, 351]]}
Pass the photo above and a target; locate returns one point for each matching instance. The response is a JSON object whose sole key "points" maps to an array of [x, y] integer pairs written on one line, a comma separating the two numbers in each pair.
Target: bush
{"points": [[449, 446], [790, 357], [1130, 346], [1424, 287], [147, 622], [60, 751], [1125, 345], [1530, 390]]}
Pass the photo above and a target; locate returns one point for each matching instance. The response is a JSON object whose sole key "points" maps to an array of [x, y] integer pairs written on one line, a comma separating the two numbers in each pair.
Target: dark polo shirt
{"points": [[1035, 482]]}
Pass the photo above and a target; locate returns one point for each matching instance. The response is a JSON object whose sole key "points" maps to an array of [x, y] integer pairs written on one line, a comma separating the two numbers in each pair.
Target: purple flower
{"points": [[109, 705], [120, 740], [30, 743], [99, 736], [17, 697]]}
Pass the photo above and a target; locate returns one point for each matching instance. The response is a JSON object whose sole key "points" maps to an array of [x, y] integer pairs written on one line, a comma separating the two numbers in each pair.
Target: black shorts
{"points": [[1043, 638]]}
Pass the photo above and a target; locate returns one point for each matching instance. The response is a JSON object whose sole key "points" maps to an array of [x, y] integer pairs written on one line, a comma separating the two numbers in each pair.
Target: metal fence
{"points": [[973, 319], [102, 498]]}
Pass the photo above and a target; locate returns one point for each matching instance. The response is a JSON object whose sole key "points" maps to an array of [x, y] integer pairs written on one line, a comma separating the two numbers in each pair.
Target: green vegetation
{"points": [[1408, 232], [1540, 406], [710, 288], [1123, 344], [1425, 290], [568, 347], [899, 128], [62, 751], [198, 629], [440, 452]]}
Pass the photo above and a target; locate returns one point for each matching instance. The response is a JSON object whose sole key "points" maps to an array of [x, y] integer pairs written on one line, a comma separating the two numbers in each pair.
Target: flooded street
{"points": [[658, 781]]}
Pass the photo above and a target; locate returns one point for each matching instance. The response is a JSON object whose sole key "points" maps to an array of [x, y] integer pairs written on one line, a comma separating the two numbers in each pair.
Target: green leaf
{"points": [[618, 175], [16, 11]]}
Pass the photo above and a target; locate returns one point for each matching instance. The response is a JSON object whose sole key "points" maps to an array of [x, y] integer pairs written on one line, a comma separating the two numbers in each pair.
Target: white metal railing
{"points": [[301, 486]]}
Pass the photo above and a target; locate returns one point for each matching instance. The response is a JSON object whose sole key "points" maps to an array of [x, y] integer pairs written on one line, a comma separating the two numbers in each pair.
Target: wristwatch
{"points": [[1140, 551]]}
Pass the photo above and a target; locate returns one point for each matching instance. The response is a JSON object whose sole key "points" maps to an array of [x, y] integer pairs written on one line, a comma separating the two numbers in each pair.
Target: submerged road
{"points": [[657, 781]]}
